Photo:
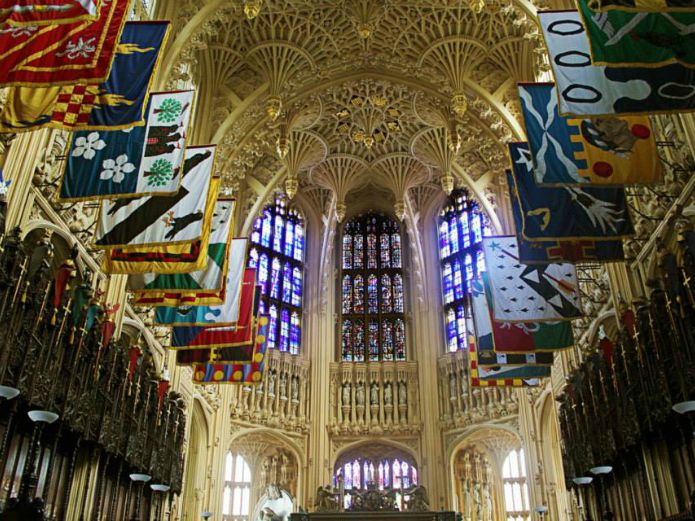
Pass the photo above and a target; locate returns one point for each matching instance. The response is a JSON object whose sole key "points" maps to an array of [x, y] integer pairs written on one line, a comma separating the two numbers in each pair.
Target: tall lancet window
{"points": [[277, 253], [461, 230], [373, 321]]}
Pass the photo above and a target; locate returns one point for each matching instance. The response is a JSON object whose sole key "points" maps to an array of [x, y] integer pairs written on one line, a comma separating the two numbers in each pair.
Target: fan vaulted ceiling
{"points": [[331, 95]]}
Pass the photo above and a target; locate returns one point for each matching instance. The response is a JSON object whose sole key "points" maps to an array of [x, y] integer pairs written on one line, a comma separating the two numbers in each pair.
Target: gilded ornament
{"points": [[252, 8]]}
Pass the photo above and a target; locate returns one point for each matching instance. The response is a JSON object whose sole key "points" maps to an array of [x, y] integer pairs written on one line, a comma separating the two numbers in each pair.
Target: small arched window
{"points": [[237, 489], [373, 303], [461, 230], [516, 500], [277, 253]]}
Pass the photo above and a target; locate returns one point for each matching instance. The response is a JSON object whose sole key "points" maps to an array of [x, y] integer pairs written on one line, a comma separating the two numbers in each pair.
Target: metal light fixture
{"points": [[8, 393], [140, 478], [601, 470], [159, 487], [542, 510], [46, 417], [583, 480], [206, 515], [684, 407]]}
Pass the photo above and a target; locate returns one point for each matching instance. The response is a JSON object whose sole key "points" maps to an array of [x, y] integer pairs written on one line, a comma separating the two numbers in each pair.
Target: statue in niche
{"points": [[402, 393], [274, 469], [464, 383], [452, 386], [346, 394], [467, 507], [271, 383], [265, 469], [326, 500], [488, 502], [295, 388], [477, 503], [283, 386], [388, 394], [417, 499], [284, 470], [359, 394], [374, 394]]}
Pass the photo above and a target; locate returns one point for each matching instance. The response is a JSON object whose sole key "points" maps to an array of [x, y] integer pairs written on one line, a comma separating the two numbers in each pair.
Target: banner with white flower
{"points": [[137, 161], [149, 220]]}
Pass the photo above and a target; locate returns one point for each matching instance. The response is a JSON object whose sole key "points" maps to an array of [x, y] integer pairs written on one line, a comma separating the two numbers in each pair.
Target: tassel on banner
{"points": [[133, 356]]}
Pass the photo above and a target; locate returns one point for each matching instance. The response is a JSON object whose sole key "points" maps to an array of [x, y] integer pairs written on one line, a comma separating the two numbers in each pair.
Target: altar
{"points": [[374, 516]]}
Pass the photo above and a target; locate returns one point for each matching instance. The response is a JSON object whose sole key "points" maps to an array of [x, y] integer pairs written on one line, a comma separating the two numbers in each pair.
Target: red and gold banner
{"points": [[62, 54], [47, 12]]}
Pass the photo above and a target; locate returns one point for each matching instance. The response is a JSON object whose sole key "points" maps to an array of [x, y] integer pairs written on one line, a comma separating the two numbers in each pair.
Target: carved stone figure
{"points": [[402, 393], [346, 394], [325, 500], [388, 394], [374, 394], [295, 388], [488, 502], [452, 386], [477, 503], [271, 383], [283, 386], [359, 394], [417, 500]]}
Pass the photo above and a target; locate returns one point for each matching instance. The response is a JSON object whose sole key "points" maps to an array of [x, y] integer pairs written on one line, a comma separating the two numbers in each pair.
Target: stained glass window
{"points": [[347, 294], [285, 330], [461, 228], [277, 252], [372, 260], [366, 467]]}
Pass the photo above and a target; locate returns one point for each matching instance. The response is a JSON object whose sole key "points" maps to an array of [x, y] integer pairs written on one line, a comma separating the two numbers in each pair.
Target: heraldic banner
{"points": [[524, 375], [62, 54], [223, 371], [161, 220], [643, 5], [204, 286], [118, 103], [568, 212], [18, 13], [143, 160], [585, 89], [225, 314], [598, 151], [619, 38]]}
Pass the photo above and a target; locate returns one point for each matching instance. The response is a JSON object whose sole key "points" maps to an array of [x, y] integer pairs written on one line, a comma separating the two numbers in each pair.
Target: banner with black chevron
{"points": [[198, 287], [585, 89], [567, 212], [521, 293], [161, 220]]}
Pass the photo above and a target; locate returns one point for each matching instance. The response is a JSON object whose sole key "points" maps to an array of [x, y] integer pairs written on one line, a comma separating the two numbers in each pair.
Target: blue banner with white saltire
{"points": [[600, 151], [568, 212]]}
